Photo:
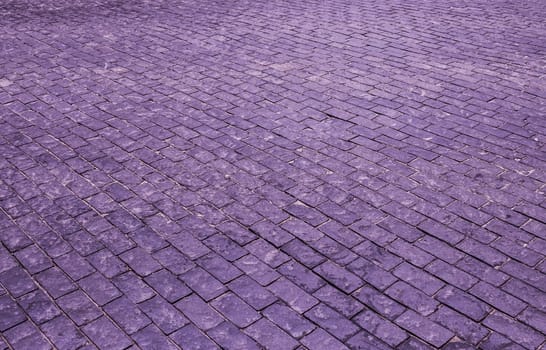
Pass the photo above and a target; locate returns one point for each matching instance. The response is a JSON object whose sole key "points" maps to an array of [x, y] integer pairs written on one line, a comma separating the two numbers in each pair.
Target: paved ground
{"points": [[272, 174]]}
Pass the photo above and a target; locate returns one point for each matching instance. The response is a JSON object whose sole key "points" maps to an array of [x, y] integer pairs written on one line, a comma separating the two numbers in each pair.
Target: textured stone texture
{"points": [[272, 174]]}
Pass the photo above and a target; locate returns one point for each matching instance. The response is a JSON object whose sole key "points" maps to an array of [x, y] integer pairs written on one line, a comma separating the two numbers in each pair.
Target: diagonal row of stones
{"points": [[280, 175]]}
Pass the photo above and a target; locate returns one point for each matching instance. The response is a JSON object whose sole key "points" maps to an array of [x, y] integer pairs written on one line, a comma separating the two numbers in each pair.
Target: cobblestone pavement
{"points": [[276, 174]]}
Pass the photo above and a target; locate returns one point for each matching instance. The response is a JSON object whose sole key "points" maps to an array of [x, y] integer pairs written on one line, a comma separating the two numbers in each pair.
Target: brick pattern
{"points": [[272, 174]]}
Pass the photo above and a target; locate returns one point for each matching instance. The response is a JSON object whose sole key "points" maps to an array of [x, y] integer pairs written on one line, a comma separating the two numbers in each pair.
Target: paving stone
{"points": [[126, 314], [340, 233], [381, 328], [38, 306], [63, 333], [3, 345], [526, 293], [381, 162], [374, 233], [270, 336], [152, 337], [497, 341], [344, 279], [409, 252], [424, 328], [106, 335], [243, 235], [230, 337], [463, 302], [74, 265], [140, 261], [451, 274], [107, 263], [458, 345], [100, 289], [133, 287], [364, 340], [257, 270], [11, 313], [226, 247], [33, 259], [439, 249], [308, 214], [320, 339], [192, 338], [203, 283], [346, 305], [235, 310], [482, 271], [201, 314], [379, 302], [173, 260], [271, 212], [333, 322], [397, 227], [334, 251], [267, 253], [17, 281], [301, 230], [517, 251], [524, 273], [303, 253], [295, 297], [14, 239], [219, 267], [412, 298], [53, 244], [26, 336], [7, 261], [462, 326], [289, 320], [55, 282], [377, 255], [79, 307], [418, 278], [517, 331], [498, 298], [163, 314], [84, 243], [115, 240], [168, 285], [148, 239]]}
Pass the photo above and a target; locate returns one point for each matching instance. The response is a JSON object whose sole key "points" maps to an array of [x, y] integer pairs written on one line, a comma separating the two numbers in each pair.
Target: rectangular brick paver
{"points": [[288, 175]]}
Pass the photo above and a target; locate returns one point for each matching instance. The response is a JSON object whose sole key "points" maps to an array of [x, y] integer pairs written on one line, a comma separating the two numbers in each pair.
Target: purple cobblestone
{"points": [[283, 175], [270, 336], [192, 338], [236, 310], [26, 336], [381, 328], [152, 337], [69, 338], [520, 333], [163, 314], [201, 314], [38, 306], [229, 337], [332, 321], [79, 307], [424, 328]]}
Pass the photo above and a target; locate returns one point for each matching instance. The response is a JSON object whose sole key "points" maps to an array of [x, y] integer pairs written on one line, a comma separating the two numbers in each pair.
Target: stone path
{"points": [[276, 174]]}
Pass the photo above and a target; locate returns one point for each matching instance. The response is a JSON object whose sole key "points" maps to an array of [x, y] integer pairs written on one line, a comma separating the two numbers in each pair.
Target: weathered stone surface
{"points": [[285, 175]]}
